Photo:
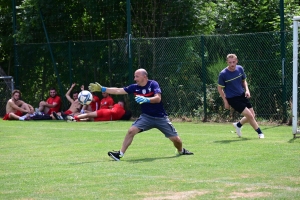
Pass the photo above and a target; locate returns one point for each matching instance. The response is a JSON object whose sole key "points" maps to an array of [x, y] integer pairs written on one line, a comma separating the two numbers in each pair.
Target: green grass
{"points": [[59, 160]]}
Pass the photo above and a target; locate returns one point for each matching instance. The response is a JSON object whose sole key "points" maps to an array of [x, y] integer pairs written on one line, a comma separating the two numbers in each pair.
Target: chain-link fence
{"points": [[186, 68]]}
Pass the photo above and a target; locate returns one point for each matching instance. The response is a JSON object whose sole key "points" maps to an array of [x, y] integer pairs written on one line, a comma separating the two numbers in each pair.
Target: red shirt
{"points": [[56, 100], [106, 102], [115, 113], [95, 104]]}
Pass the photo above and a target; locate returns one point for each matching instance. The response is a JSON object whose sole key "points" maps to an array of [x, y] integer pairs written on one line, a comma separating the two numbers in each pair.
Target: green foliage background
{"points": [[182, 44]]}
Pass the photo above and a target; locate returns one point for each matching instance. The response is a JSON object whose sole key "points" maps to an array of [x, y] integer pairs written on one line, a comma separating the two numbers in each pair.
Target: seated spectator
{"points": [[53, 103], [74, 108], [17, 109], [106, 102], [116, 113]]}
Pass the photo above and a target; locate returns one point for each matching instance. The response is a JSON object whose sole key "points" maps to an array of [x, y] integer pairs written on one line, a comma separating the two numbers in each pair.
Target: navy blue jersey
{"points": [[231, 82], [149, 90]]}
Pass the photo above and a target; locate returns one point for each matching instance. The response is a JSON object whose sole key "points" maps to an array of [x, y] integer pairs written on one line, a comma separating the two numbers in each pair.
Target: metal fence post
{"points": [[15, 42], [204, 77], [70, 62], [282, 47], [129, 40], [52, 57]]}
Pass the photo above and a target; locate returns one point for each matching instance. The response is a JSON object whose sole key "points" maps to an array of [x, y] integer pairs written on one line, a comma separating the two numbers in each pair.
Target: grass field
{"points": [[59, 160]]}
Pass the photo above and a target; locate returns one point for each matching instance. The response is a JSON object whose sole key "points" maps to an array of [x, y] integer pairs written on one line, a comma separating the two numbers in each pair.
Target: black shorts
{"points": [[239, 103]]}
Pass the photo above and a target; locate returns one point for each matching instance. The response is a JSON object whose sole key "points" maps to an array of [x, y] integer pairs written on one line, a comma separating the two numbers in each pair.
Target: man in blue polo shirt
{"points": [[233, 88], [148, 94]]}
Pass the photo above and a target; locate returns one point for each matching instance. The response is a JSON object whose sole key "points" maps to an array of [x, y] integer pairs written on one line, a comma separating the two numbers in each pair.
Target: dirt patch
{"points": [[236, 195], [173, 195]]}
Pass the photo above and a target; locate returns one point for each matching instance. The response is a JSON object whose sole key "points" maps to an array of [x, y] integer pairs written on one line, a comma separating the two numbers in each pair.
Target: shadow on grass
{"points": [[82, 163], [42, 120], [133, 161], [275, 126], [230, 141], [294, 139], [149, 159]]}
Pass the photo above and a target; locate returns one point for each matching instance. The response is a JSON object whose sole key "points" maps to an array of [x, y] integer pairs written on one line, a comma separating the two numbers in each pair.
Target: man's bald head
{"points": [[142, 72], [141, 77]]}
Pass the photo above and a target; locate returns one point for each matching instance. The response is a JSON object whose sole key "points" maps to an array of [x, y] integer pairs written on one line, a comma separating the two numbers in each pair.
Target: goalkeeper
{"points": [[148, 94]]}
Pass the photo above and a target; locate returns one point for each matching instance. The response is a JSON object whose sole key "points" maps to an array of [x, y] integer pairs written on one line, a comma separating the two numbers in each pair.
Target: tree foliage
{"points": [[98, 19], [6, 35], [155, 25]]}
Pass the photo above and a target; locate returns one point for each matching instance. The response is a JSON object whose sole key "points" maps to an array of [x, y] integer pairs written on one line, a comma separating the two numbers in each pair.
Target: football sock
{"points": [[180, 152], [121, 154], [76, 118], [239, 124], [258, 131]]}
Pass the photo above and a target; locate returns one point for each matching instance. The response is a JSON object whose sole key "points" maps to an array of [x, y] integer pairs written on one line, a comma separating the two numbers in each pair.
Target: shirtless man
{"points": [[17, 109], [75, 107]]}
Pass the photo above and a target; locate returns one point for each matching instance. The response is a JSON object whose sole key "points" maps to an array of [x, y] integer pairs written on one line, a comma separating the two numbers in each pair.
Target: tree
{"points": [[166, 18], [6, 36], [248, 16]]}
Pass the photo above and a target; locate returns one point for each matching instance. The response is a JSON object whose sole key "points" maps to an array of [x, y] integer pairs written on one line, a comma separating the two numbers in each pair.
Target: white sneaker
{"points": [[70, 119], [22, 118], [238, 130], [260, 136]]}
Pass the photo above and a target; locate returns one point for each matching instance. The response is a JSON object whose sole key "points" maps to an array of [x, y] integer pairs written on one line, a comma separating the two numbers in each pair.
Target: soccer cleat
{"points": [[184, 152], [238, 130], [115, 155], [70, 119], [55, 115], [64, 116], [260, 136]]}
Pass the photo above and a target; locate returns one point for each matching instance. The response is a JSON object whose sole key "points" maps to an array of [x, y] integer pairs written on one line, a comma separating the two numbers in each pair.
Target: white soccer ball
{"points": [[85, 97]]}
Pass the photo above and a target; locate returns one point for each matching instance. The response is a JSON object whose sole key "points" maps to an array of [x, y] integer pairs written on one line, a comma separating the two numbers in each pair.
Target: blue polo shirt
{"points": [[231, 82], [149, 90]]}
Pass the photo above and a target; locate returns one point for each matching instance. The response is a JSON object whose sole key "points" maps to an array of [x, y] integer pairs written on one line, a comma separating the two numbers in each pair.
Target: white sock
{"points": [[22, 118], [180, 152], [121, 153]]}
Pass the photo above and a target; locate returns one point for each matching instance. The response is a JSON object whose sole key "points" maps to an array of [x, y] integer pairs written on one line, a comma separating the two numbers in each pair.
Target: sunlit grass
{"points": [[59, 160]]}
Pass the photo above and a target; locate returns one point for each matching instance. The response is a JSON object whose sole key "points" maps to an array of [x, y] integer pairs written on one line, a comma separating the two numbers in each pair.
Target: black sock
{"points": [[239, 124], [258, 131]]}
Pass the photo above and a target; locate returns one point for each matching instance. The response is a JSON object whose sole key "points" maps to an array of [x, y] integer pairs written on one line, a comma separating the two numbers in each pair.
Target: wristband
{"points": [[103, 89]]}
